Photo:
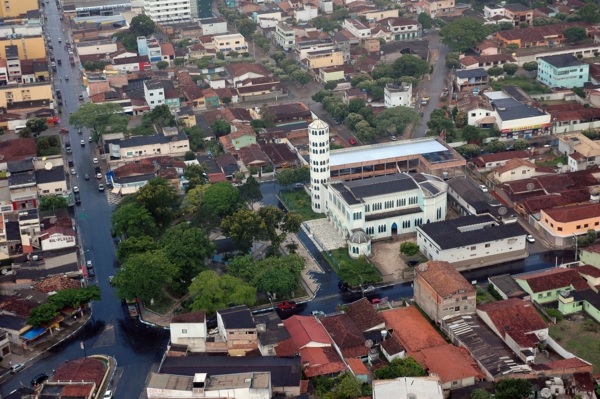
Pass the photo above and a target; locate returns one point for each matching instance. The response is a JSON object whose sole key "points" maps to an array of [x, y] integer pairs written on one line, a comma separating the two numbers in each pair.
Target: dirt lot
{"points": [[386, 257], [580, 335]]}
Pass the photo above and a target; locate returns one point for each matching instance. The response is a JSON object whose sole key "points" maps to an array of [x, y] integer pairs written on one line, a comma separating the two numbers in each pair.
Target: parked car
{"points": [[393, 138], [73, 171], [71, 164], [80, 130], [91, 273], [38, 379], [286, 305], [90, 139], [352, 141], [483, 188], [82, 142], [108, 394], [318, 313], [59, 62], [80, 97], [16, 367], [99, 176], [95, 160], [101, 186], [86, 177], [67, 78], [530, 238], [75, 189]]}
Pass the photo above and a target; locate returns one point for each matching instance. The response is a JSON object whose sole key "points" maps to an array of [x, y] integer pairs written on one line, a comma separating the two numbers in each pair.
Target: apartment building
{"points": [[168, 10], [397, 95], [562, 70], [28, 48], [324, 58], [15, 94], [16, 8], [285, 36], [435, 7], [227, 43]]}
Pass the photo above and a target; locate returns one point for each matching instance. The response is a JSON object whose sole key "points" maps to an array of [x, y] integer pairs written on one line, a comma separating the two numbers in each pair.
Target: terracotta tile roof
{"points": [[193, 317], [65, 231], [443, 278], [56, 283], [17, 149], [209, 93], [538, 33], [242, 130], [287, 348], [448, 362], [325, 369], [357, 367], [592, 248], [469, 60], [554, 279], [515, 318], [584, 381], [241, 68], [482, 160], [573, 213], [364, 315], [85, 369], [346, 335], [77, 391], [412, 329], [573, 362], [589, 270], [133, 169], [513, 164], [392, 346], [253, 155], [20, 307], [305, 330], [167, 49]]}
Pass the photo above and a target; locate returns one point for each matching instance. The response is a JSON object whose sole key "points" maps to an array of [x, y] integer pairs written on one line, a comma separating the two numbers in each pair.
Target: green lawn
{"points": [[528, 85], [299, 201], [160, 306], [352, 271], [581, 341], [552, 162]]}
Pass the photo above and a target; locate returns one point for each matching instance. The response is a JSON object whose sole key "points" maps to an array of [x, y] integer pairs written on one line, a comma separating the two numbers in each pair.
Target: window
{"points": [[184, 331], [487, 245]]}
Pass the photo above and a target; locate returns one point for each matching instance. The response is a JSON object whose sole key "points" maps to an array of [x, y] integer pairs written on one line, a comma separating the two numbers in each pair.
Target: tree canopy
{"points": [[159, 197], [142, 25], [135, 245], [394, 121], [37, 125], [406, 65], [250, 191], [463, 33], [100, 118], [222, 198], [575, 34], [211, 292], [512, 388], [187, 247], [407, 367], [52, 202], [133, 220]]}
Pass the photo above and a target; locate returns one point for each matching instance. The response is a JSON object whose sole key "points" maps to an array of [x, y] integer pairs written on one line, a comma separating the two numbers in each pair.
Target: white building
{"points": [[397, 95], [57, 237], [285, 36], [251, 385], [227, 43], [168, 10], [517, 120], [213, 26], [306, 13], [189, 329], [170, 142], [96, 47], [408, 387], [357, 28], [326, 6], [472, 241], [154, 93], [318, 141]]}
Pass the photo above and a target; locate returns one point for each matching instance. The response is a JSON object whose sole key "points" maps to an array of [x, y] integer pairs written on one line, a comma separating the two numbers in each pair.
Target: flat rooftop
{"points": [[256, 380], [369, 153]]}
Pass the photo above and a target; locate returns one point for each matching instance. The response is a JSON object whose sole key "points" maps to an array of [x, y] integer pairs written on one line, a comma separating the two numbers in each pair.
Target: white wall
{"points": [[217, 28], [100, 48], [521, 123], [58, 241]]}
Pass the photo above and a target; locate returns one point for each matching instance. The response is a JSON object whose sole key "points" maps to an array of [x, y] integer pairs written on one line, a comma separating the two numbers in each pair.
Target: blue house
{"points": [[562, 70]]}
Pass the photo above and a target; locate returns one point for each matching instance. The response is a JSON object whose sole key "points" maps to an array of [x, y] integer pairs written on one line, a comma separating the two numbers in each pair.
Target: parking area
{"points": [[386, 258]]}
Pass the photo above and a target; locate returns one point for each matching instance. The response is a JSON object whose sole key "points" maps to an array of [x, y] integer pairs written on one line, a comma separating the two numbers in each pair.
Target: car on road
{"points": [[59, 40], [90, 139], [67, 78], [530, 238], [86, 177], [73, 171], [59, 61], [317, 313], [100, 187], [108, 394], [89, 265], [393, 138], [75, 189], [38, 379], [95, 160], [16, 367], [483, 188], [77, 199], [80, 97], [99, 176], [287, 305], [352, 141], [91, 274], [82, 142], [80, 130]]}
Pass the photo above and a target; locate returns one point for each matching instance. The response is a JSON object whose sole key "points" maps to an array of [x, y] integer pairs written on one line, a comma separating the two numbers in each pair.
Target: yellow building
{"points": [[571, 220], [14, 8], [331, 74], [29, 47], [380, 14], [14, 94], [324, 58], [232, 42]]}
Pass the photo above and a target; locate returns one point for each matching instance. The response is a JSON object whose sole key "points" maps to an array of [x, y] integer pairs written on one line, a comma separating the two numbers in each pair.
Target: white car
{"points": [[483, 188], [90, 139], [317, 313], [73, 171], [393, 138], [82, 142], [530, 238], [16, 367], [75, 189], [108, 394], [99, 176], [95, 160], [100, 187]]}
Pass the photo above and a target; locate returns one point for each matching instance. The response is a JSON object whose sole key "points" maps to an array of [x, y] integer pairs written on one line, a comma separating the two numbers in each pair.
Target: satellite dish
{"points": [[48, 166], [546, 393], [530, 186], [502, 210]]}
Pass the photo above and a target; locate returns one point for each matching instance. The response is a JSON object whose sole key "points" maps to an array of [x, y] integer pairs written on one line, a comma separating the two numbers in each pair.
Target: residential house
{"points": [[441, 291], [352, 94], [408, 387], [132, 64], [471, 241], [562, 70], [470, 79], [582, 152], [518, 323], [306, 13], [364, 316], [311, 340], [331, 74], [587, 301], [189, 329], [240, 72], [186, 116], [489, 162], [397, 95], [238, 328], [286, 113], [492, 10], [546, 286], [171, 142], [213, 170], [271, 332], [485, 61], [401, 28], [357, 28], [167, 52], [241, 136], [348, 339], [519, 14], [285, 36], [538, 36], [154, 93], [590, 255], [51, 179], [304, 47], [519, 169], [376, 15], [436, 8], [231, 42], [17, 149], [570, 220], [22, 185], [213, 26]]}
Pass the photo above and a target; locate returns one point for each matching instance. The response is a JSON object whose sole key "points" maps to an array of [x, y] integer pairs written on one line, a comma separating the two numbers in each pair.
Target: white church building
{"points": [[374, 207]]}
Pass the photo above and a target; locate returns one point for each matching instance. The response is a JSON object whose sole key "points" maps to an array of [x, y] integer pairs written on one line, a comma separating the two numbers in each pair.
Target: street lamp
{"points": [[575, 238]]}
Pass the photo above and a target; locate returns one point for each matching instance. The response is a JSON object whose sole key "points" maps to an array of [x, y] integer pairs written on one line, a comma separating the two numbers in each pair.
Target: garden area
{"points": [[354, 272], [528, 85], [579, 335], [298, 201]]}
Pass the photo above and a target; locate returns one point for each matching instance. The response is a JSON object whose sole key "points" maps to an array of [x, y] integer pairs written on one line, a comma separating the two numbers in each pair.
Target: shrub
{"points": [[555, 313], [409, 248]]}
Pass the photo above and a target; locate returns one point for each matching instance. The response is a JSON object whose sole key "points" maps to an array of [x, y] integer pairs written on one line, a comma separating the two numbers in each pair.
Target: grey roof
{"points": [[562, 60], [508, 286], [275, 330], [134, 179], [12, 51], [510, 109], [464, 231], [210, 164], [516, 92], [590, 296], [24, 165], [237, 317], [516, 7], [204, 21], [482, 202], [11, 322], [285, 371], [471, 73], [13, 232], [50, 176], [154, 84], [19, 179], [354, 191], [359, 237], [28, 214], [136, 141]]}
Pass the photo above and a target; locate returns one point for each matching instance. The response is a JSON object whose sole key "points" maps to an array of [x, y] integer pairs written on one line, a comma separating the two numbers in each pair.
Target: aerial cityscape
{"points": [[311, 199]]}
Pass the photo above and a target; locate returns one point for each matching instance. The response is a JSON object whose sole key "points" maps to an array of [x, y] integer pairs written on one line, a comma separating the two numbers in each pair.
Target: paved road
{"points": [[112, 332]]}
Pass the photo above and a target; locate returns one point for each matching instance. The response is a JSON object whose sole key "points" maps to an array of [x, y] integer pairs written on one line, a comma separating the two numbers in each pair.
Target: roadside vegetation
{"points": [[354, 272]]}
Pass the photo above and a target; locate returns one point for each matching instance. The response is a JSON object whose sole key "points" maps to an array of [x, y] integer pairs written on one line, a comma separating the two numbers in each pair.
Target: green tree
{"points": [[267, 115], [276, 224], [221, 127], [246, 27], [142, 25], [495, 71], [233, 54], [510, 69], [590, 13], [320, 95], [279, 275], [425, 20], [179, 61], [159, 197], [452, 61], [495, 146], [144, 276], [189, 156], [209, 292], [352, 120], [75, 297], [348, 387], [196, 137], [394, 121], [250, 191], [461, 118], [468, 151], [289, 176], [162, 65], [222, 198], [278, 55], [135, 245], [575, 34], [330, 85], [506, 26], [324, 23], [530, 66], [407, 367], [243, 227], [356, 104], [52, 202], [187, 247], [406, 65], [37, 125], [471, 134], [409, 248], [160, 117], [364, 132], [480, 394], [520, 144], [512, 388], [133, 220], [463, 33], [42, 314], [195, 175], [100, 118], [193, 200], [301, 77], [440, 121]]}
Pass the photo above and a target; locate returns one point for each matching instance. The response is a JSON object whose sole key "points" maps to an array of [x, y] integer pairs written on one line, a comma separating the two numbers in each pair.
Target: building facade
{"points": [[318, 141], [563, 70], [324, 58], [227, 43], [168, 10], [397, 95], [285, 36]]}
